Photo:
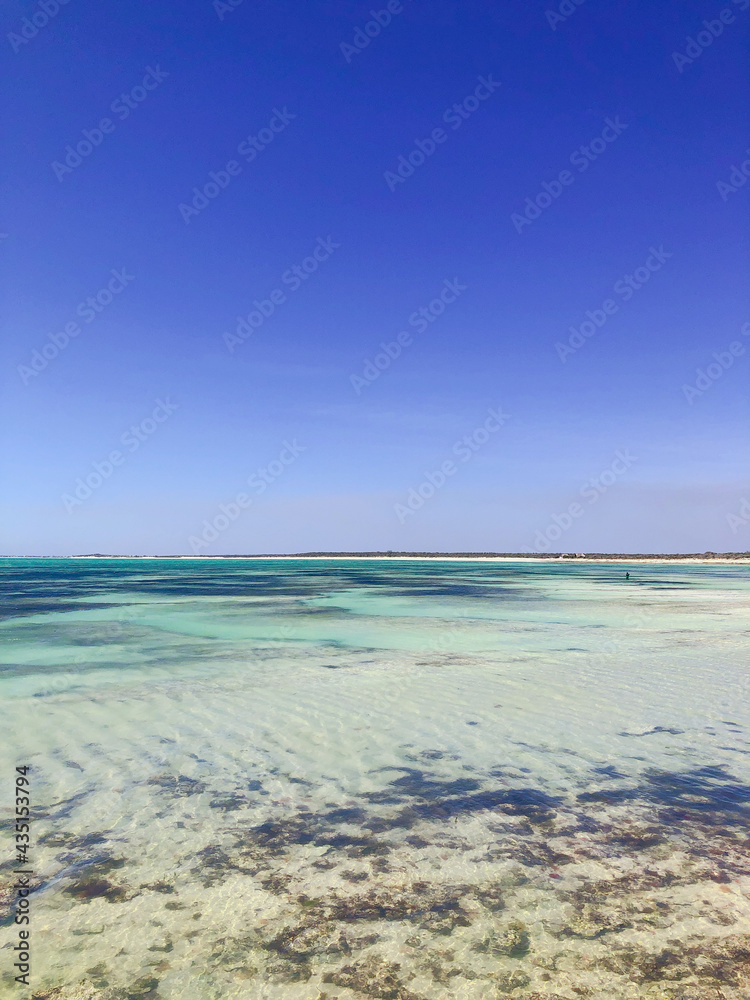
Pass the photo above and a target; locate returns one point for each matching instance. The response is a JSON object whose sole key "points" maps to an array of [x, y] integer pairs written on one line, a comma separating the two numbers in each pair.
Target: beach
{"points": [[389, 777]]}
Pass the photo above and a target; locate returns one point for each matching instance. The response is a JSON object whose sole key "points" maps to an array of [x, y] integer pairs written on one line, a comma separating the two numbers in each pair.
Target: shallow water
{"points": [[320, 778]]}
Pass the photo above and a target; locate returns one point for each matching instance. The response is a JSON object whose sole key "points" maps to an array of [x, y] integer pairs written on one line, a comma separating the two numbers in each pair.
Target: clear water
{"points": [[330, 778]]}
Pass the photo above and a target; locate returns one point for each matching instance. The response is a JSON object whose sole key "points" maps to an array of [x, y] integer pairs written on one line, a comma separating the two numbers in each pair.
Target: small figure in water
{"points": [[627, 576]]}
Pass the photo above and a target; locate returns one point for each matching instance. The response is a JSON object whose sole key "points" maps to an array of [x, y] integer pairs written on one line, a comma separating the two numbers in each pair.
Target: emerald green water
{"points": [[341, 778]]}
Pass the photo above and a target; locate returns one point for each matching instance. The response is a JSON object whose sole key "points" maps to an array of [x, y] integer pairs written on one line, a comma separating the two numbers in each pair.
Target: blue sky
{"points": [[332, 124]]}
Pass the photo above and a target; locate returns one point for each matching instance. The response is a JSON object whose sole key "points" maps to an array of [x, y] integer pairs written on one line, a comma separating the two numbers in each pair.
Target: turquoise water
{"points": [[407, 779]]}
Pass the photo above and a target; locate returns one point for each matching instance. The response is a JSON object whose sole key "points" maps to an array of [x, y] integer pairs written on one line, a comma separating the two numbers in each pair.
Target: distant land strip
{"points": [[542, 557]]}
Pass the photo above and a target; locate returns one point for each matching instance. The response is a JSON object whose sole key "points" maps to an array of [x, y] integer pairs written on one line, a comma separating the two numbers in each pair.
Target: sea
{"points": [[336, 779]]}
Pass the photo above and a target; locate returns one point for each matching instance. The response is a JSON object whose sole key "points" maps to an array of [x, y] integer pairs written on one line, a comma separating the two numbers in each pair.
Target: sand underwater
{"points": [[308, 780]]}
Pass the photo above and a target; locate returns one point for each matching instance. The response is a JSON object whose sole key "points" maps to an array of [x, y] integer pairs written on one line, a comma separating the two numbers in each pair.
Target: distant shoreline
{"points": [[742, 558]]}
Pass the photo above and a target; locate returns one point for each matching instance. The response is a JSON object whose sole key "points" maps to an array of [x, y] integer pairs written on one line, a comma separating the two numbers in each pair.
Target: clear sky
{"points": [[551, 165]]}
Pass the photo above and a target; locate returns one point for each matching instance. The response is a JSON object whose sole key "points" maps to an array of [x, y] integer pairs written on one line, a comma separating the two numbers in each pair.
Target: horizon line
{"points": [[708, 556]]}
